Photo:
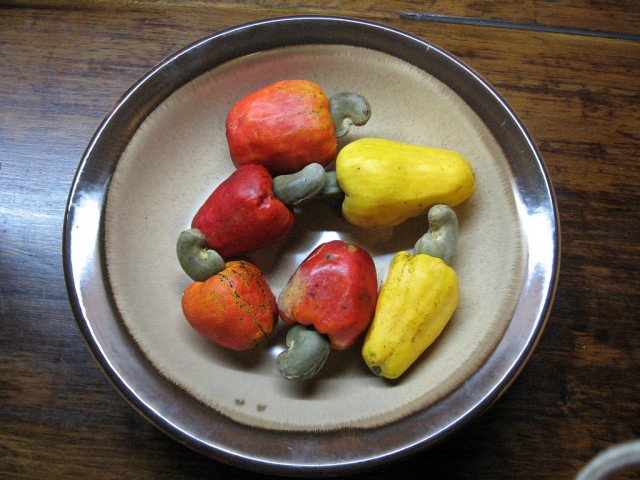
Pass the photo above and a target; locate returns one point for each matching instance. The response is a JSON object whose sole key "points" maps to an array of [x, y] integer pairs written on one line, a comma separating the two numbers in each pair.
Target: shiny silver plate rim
{"points": [[193, 424]]}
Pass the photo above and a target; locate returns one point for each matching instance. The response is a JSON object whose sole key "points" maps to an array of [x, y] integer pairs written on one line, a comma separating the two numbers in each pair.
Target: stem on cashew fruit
{"points": [[307, 351], [441, 239], [197, 261], [331, 192], [347, 109], [297, 187]]}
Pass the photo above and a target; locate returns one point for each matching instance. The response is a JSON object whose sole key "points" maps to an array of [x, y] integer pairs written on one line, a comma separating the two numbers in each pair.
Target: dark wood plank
{"points": [[622, 17]]}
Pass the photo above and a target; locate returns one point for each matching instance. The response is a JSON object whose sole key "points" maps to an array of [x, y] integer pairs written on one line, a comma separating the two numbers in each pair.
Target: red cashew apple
{"points": [[334, 289], [242, 214], [235, 308], [290, 124]]}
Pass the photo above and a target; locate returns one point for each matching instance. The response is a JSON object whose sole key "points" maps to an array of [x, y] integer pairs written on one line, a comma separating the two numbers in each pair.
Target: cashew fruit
{"points": [[234, 308], [387, 182], [416, 301], [290, 124]]}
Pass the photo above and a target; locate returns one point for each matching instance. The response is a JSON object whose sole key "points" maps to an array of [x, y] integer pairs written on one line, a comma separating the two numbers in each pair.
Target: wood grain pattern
{"points": [[66, 63], [589, 15]]}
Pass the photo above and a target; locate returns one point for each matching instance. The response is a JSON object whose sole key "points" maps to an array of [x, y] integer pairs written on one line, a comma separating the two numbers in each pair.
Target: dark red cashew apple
{"points": [[242, 214], [249, 210], [334, 290], [290, 124]]}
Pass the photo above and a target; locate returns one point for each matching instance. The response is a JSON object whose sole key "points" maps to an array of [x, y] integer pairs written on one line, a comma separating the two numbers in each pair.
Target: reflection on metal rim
{"points": [[333, 452]]}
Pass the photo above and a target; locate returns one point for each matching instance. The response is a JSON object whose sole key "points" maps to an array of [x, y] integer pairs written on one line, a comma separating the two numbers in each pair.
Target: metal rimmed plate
{"points": [[160, 152]]}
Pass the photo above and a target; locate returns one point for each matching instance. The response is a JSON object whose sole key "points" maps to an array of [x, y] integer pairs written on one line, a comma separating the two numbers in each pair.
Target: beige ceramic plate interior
{"points": [[169, 159]]}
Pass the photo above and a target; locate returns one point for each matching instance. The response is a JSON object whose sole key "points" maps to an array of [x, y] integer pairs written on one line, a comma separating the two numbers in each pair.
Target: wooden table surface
{"points": [[569, 69]]}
